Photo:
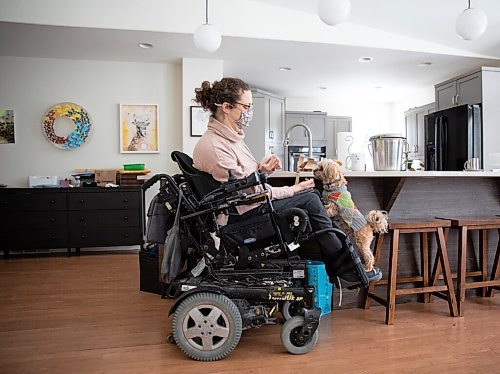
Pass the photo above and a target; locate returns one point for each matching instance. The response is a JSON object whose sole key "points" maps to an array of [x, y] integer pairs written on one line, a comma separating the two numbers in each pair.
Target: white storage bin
{"points": [[46, 180]]}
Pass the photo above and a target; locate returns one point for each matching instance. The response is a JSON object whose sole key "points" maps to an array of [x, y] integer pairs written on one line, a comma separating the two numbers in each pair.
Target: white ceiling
{"points": [[405, 32]]}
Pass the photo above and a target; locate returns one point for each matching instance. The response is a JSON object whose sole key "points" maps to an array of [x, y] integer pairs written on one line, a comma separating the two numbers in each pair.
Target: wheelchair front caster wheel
{"points": [[291, 309], [207, 326], [289, 337]]}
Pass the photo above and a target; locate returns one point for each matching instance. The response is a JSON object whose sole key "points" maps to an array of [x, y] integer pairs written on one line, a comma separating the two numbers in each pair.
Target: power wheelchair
{"points": [[226, 279]]}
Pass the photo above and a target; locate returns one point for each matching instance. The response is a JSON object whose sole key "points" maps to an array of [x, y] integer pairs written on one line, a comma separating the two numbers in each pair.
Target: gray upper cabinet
{"points": [[415, 129], [459, 91], [334, 125], [265, 135], [316, 121]]}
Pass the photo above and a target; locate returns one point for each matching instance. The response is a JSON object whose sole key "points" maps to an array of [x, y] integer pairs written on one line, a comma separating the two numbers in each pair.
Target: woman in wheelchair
{"points": [[243, 235], [222, 150]]}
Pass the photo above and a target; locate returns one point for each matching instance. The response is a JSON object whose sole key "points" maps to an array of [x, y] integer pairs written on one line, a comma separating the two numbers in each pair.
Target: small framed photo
{"points": [[199, 120], [139, 128]]}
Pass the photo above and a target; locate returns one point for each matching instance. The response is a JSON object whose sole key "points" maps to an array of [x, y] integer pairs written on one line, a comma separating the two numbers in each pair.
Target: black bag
{"points": [[160, 220], [172, 255]]}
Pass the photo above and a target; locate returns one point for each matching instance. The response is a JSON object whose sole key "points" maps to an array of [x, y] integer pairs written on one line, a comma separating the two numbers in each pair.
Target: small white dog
{"points": [[339, 204]]}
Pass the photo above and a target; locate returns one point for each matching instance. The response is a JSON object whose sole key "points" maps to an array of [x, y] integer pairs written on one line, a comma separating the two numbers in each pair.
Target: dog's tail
{"points": [[377, 219]]}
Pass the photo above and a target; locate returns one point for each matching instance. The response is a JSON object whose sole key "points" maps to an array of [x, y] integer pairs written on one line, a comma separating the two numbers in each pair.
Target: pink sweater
{"points": [[221, 149]]}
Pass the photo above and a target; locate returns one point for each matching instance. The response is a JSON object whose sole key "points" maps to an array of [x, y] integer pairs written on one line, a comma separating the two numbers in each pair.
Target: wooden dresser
{"points": [[43, 218]]}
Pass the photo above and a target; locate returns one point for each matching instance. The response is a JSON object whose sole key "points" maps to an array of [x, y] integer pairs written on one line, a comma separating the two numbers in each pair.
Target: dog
{"points": [[338, 203]]}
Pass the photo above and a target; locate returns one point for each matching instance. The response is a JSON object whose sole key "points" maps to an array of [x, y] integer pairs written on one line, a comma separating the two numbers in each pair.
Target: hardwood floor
{"points": [[86, 315]]}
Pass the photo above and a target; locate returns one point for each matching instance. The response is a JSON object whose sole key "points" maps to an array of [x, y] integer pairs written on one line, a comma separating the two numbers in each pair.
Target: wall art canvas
{"points": [[7, 126], [199, 120], [139, 128], [67, 126]]}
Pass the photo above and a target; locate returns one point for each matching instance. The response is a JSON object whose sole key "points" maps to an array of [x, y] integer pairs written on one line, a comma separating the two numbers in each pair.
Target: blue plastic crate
{"points": [[323, 289]]}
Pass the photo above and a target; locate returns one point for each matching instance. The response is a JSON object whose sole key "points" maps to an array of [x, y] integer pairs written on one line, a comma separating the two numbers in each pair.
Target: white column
{"points": [[194, 72]]}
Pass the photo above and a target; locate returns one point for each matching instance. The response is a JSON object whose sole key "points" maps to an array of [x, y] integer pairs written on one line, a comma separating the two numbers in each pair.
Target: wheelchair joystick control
{"points": [[231, 177]]}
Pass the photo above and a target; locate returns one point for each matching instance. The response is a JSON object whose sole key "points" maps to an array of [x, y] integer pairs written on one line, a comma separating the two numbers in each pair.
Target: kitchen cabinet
{"points": [[463, 90], [334, 125], [316, 121], [36, 218], [477, 87], [265, 135], [415, 130]]}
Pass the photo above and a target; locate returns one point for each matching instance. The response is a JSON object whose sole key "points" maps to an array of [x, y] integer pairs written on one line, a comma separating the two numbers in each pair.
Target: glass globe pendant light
{"points": [[333, 12], [207, 37], [471, 23]]}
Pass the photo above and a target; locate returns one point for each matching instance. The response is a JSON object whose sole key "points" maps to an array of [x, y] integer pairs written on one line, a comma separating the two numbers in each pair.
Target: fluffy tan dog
{"points": [[339, 204]]}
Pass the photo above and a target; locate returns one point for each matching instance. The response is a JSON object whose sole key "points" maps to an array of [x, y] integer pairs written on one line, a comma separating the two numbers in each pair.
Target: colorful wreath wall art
{"points": [[80, 119]]}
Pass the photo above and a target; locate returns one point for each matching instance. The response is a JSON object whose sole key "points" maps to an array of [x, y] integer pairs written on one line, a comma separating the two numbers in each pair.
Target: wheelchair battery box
{"points": [[149, 273], [317, 278]]}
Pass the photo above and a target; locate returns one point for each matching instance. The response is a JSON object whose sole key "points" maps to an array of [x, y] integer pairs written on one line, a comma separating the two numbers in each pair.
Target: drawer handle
{"points": [[126, 235], [52, 201], [82, 201], [125, 218], [52, 237], [52, 220], [82, 219], [83, 236], [125, 200]]}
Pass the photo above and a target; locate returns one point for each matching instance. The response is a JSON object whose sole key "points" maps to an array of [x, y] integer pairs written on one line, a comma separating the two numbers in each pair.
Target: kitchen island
{"points": [[420, 194]]}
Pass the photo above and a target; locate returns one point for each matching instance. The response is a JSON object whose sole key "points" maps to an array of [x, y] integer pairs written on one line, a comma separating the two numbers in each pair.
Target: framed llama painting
{"points": [[139, 128]]}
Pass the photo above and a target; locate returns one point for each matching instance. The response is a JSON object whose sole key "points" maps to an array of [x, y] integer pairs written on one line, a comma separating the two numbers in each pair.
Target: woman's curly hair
{"points": [[227, 90]]}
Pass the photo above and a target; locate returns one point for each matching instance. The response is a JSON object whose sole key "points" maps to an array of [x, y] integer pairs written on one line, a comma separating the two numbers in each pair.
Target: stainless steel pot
{"points": [[387, 151]]}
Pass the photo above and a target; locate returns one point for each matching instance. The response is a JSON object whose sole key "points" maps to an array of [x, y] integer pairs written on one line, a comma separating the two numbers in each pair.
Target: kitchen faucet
{"points": [[309, 138]]}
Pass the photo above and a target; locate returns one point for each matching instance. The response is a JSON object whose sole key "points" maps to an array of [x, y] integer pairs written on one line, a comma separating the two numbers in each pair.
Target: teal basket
{"points": [[323, 289]]}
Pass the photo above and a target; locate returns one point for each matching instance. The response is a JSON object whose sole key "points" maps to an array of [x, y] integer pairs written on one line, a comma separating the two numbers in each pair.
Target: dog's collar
{"points": [[333, 185]]}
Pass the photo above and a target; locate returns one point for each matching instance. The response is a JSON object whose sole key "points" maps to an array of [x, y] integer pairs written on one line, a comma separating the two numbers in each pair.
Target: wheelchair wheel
{"points": [[291, 309], [207, 326], [289, 334]]}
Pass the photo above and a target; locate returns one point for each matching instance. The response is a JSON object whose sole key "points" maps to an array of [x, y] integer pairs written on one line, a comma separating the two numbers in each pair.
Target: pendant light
{"points": [[207, 37], [333, 12], [471, 23]]}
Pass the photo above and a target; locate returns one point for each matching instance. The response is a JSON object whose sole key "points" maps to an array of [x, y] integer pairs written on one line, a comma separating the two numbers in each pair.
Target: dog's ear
{"points": [[338, 162]]}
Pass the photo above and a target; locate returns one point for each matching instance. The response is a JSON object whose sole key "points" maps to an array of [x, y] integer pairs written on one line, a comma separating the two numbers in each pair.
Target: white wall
{"points": [[30, 86], [194, 72]]}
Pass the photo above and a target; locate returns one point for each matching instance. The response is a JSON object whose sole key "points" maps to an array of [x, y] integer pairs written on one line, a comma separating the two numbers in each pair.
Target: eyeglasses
{"points": [[246, 106]]}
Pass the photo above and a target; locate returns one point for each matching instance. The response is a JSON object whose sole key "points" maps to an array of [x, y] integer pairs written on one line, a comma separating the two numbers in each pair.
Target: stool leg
{"points": [[462, 268], [494, 269], [436, 270], [445, 264], [377, 252], [392, 281], [424, 264], [483, 258]]}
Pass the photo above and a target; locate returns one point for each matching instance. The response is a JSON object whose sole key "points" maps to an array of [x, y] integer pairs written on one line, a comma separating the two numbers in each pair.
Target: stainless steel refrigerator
{"points": [[452, 136]]}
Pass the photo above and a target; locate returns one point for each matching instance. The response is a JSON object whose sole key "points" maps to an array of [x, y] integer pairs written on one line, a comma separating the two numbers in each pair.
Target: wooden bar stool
{"points": [[464, 225], [422, 227]]}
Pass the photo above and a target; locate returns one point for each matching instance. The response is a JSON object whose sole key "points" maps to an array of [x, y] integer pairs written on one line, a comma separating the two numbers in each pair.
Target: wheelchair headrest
{"points": [[202, 183]]}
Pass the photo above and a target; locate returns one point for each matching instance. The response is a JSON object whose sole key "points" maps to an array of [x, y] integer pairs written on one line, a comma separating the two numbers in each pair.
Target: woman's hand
{"points": [[269, 164], [304, 185]]}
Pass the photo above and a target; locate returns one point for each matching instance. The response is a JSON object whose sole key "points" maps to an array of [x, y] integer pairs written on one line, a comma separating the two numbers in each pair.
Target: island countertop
{"points": [[398, 174]]}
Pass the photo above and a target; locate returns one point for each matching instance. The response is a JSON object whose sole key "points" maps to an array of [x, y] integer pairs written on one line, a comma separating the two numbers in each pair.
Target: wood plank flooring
{"points": [[86, 315]]}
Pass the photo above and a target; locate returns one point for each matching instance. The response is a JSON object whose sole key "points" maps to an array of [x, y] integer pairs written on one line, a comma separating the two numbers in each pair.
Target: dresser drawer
{"points": [[104, 200], [32, 200], [33, 239], [94, 237], [104, 218], [38, 220]]}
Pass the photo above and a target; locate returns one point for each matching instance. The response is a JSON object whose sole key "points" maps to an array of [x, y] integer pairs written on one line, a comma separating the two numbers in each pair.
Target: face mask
{"points": [[245, 118]]}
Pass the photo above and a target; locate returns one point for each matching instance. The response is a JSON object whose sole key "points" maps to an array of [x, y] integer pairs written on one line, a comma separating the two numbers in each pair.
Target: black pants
{"points": [[310, 201]]}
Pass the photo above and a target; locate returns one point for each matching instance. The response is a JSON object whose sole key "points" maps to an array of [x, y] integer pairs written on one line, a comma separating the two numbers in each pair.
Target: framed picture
{"points": [[199, 120], [7, 126], [139, 128]]}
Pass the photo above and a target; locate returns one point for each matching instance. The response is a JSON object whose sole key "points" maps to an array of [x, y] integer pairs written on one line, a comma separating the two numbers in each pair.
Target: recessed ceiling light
{"points": [[322, 88], [365, 59], [145, 45], [285, 68], [378, 87], [425, 64]]}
